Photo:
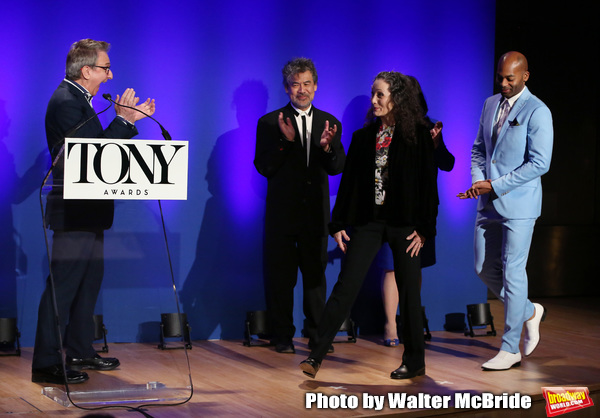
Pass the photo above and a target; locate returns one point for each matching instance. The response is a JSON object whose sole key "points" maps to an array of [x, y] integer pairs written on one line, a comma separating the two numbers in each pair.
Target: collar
{"points": [[83, 90], [299, 112], [512, 100]]}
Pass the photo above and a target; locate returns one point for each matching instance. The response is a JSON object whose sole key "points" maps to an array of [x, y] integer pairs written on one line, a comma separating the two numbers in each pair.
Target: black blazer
{"points": [[411, 196], [67, 108], [297, 195]]}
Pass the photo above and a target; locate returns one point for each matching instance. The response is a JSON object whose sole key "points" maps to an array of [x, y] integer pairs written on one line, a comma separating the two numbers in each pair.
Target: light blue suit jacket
{"points": [[521, 156]]}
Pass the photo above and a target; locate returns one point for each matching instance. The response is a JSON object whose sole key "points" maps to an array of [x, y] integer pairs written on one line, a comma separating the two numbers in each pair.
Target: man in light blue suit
{"points": [[512, 151]]}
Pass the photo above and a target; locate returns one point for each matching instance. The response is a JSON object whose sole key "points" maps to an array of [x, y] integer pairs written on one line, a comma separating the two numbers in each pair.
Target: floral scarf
{"points": [[382, 147]]}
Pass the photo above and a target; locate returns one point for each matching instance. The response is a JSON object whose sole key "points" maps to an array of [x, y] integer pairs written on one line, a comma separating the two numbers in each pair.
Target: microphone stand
{"points": [[167, 137]]}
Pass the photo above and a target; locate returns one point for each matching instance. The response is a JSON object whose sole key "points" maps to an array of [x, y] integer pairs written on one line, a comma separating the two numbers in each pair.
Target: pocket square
{"points": [[513, 123]]}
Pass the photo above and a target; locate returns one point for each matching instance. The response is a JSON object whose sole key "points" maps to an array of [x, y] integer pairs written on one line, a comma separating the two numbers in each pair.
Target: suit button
{"points": [[308, 182], [493, 161]]}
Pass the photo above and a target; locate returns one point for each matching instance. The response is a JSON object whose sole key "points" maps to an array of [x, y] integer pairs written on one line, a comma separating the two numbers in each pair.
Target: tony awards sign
{"points": [[132, 169]]}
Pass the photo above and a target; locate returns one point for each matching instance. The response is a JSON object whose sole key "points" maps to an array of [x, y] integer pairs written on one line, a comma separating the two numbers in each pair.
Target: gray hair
{"points": [[82, 53], [296, 66]]}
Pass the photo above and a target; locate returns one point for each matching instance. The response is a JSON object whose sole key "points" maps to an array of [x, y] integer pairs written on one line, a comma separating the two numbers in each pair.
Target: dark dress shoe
{"points": [[285, 348], [310, 367], [54, 374], [93, 363], [402, 372]]}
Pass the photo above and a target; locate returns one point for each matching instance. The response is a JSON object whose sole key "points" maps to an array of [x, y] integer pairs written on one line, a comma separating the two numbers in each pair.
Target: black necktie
{"points": [[304, 133]]}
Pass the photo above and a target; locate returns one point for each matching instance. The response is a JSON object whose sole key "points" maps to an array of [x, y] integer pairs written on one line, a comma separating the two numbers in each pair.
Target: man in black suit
{"points": [[297, 147], [77, 259]]}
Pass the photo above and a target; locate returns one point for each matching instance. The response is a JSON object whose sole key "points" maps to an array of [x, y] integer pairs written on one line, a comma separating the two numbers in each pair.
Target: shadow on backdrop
{"points": [[217, 294], [14, 190], [354, 118]]}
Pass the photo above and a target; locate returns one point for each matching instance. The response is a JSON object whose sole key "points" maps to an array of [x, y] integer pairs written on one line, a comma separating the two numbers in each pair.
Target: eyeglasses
{"points": [[106, 69]]}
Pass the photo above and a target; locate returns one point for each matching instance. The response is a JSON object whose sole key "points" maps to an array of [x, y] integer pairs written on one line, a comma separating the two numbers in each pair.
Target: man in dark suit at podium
{"points": [[297, 147], [77, 259]]}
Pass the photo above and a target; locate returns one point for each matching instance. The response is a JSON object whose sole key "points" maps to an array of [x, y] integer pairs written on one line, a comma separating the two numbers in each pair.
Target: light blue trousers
{"points": [[501, 252]]}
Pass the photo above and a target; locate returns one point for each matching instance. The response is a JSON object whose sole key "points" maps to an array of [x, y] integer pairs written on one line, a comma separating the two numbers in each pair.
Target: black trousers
{"points": [[365, 242], [77, 265], [284, 255]]}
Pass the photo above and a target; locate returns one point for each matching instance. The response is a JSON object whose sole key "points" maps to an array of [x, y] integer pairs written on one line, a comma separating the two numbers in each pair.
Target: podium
{"points": [[113, 188]]}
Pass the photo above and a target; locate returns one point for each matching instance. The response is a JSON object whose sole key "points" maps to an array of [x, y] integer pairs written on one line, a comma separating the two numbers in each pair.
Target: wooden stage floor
{"points": [[230, 379]]}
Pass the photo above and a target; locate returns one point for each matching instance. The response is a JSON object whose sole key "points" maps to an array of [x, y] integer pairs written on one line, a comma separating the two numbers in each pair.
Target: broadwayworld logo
{"points": [[125, 169], [560, 400]]}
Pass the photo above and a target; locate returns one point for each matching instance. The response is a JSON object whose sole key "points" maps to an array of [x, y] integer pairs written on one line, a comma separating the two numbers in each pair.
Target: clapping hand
{"points": [[129, 99], [286, 128], [327, 136], [435, 133]]}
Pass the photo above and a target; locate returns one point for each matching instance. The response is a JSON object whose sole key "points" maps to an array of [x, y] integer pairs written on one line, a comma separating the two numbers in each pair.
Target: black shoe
{"points": [[54, 374], [287, 348], [330, 349], [93, 363], [402, 372], [310, 367]]}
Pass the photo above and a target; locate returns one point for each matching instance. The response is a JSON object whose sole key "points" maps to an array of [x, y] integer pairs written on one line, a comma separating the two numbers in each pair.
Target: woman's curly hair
{"points": [[407, 110]]}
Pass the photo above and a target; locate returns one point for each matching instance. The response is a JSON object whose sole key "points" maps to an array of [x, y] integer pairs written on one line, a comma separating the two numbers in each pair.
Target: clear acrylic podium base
{"points": [[151, 392], [138, 288]]}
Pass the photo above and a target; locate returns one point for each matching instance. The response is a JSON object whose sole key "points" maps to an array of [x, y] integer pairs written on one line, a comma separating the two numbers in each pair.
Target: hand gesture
{"points": [[327, 136], [286, 128], [339, 237], [478, 188], [129, 99], [435, 133], [417, 243]]}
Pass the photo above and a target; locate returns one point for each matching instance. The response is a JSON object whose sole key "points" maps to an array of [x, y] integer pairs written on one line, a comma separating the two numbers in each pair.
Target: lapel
{"points": [[370, 140], [514, 112], [288, 111], [492, 115], [316, 126], [77, 93], [80, 96]]}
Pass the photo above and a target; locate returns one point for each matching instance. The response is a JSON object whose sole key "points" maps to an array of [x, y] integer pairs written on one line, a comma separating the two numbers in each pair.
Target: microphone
{"points": [[62, 144], [165, 134], [76, 128]]}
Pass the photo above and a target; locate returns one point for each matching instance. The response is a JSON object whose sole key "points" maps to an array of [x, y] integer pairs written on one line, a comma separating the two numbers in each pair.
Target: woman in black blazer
{"points": [[387, 194]]}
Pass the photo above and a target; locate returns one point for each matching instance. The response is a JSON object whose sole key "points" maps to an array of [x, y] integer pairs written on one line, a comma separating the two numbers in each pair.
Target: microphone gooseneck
{"points": [[165, 134], [62, 145], [76, 128], [71, 131]]}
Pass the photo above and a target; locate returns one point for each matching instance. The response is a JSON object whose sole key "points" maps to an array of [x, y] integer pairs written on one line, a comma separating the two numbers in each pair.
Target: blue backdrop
{"points": [[214, 69]]}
